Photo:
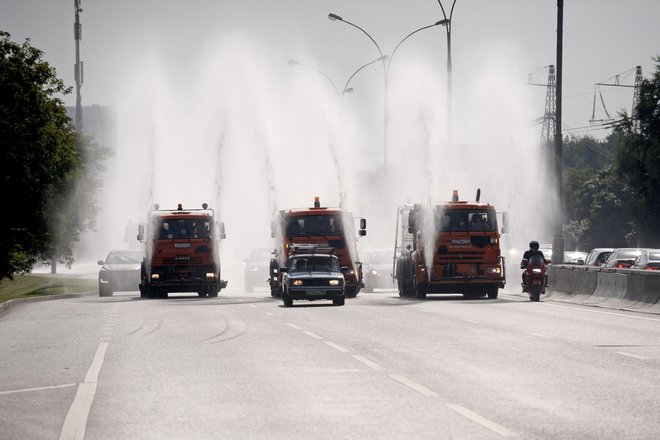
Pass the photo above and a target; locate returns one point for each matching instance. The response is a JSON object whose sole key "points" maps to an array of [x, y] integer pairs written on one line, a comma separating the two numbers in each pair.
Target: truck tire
{"points": [[351, 292], [105, 290], [404, 276], [213, 291], [420, 290], [288, 301], [339, 301], [492, 291]]}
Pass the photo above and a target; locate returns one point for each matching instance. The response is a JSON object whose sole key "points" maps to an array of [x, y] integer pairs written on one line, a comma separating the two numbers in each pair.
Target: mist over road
{"points": [[242, 366]]}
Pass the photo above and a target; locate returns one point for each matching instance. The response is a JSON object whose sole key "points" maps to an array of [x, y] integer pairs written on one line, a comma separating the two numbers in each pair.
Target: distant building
{"points": [[99, 123]]}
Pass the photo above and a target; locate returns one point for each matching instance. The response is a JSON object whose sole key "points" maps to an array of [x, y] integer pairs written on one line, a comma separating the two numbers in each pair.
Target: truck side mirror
{"points": [[140, 234], [222, 234]]}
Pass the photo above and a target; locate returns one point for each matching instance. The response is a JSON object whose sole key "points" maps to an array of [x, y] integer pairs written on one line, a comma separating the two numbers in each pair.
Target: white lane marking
{"points": [[337, 347], [105, 339], [501, 430], [269, 314], [414, 385], [604, 313], [634, 356], [312, 334], [538, 335], [27, 390], [393, 302], [293, 326], [368, 362], [471, 321], [252, 305], [427, 311], [76, 419]]}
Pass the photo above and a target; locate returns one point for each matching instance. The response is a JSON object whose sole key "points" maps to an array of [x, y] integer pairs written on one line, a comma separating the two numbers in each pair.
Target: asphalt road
{"points": [[242, 366]]}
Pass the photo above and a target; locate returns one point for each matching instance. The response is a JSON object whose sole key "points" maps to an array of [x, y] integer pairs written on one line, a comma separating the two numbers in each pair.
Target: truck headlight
{"points": [[333, 282], [155, 276], [493, 270], [297, 282], [210, 275], [374, 272]]}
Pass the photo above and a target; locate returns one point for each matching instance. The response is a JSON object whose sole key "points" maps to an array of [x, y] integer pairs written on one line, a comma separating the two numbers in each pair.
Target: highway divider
{"points": [[625, 289]]}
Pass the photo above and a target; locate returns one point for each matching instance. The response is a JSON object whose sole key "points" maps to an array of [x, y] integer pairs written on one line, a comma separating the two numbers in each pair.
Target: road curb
{"points": [[8, 304]]}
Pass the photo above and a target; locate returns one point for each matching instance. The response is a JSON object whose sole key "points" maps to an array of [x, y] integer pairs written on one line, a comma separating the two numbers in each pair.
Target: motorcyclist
{"points": [[533, 250]]}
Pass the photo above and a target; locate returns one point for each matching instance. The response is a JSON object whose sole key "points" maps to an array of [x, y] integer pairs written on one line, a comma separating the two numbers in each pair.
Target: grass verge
{"points": [[35, 285]]}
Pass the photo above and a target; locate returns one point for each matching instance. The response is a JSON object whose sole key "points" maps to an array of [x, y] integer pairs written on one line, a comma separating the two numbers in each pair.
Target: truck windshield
{"points": [[316, 264], [314, 225], [464, 220], [170, 229]]}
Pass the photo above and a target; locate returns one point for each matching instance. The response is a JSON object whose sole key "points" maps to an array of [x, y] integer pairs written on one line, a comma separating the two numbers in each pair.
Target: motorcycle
{"points": [[536, 276]]}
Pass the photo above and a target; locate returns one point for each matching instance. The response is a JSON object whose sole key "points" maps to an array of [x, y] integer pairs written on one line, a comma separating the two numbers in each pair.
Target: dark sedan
{"points": [[311, 277], [256, 269], [377, 269], [120, 271]]}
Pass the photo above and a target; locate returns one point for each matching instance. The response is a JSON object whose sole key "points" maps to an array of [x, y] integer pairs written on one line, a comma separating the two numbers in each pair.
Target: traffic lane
{"points": [[45, 349], [484, 353], [195, 369]]}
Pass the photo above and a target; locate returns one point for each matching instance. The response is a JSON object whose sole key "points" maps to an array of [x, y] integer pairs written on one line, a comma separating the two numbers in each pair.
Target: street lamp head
{"points": [[293, 63], [348, 90], [444, 22], [334, 17], [383, 58]]}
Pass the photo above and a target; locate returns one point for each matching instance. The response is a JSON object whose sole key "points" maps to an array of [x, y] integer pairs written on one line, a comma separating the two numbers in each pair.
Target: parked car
{"points": [[649, 259], [377, 269], [597, 256], [622, 258], [570, 257], [120, 271], [256, 269], [575, 257], [311, 277]]}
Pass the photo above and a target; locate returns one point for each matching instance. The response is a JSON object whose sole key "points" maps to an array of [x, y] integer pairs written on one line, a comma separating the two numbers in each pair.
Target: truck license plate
{"points": [[315, 293]]}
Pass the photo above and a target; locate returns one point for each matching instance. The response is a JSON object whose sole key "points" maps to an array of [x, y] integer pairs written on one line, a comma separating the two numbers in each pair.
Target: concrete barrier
{"points": [[612, 288]]}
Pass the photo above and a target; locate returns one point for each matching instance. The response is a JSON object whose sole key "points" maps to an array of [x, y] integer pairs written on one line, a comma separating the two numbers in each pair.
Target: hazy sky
{"points": [[602, 38], [203, 91]]}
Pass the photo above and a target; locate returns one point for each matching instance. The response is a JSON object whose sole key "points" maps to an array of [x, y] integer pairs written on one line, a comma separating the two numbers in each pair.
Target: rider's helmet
{"points": [[534, 245]]}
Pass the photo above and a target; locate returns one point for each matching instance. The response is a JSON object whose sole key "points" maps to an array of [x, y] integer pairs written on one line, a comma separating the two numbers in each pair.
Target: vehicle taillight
{"points": [[622, 266], [652, 268]]}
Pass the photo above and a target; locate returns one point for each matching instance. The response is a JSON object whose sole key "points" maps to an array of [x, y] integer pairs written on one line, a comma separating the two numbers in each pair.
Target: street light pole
{"points": [[77, 34], [558, 240], [449, 99], [335, 17]]}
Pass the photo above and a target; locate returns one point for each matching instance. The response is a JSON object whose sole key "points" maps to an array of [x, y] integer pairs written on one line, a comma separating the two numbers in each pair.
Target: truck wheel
{"points": [[491, 291], [288, 301], [339, 301], [105, 290], [275, 292], [351, 292], [213, 291], [420, 290]]}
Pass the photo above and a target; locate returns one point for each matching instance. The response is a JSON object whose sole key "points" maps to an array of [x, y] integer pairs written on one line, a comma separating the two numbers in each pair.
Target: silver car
{"points": [[120, 271]]}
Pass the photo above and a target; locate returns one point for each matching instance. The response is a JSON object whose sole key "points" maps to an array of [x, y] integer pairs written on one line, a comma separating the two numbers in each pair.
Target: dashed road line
{"points": [[312, 335], [470, 321], [499, 429], [337, 347], [624, 315], [75, 423], [293, 326], [28, 390], [269, 314], [538, 335], [368, 362], [414, 385], [634, 356]]}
